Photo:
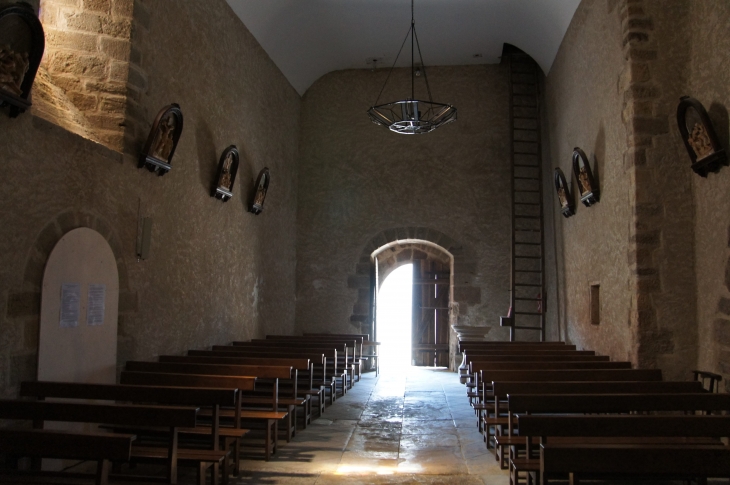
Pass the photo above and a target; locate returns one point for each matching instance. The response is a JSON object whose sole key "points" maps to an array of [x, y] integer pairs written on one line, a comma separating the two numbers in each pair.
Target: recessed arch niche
{"points": [[79, 308]]}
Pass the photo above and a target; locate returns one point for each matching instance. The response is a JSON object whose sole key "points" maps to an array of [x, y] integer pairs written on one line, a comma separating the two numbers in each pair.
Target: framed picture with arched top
{"points": [[162, 140], [565, 198], [587, 186], [227, 170], [22, 43], [260, 189], [699, 137]]}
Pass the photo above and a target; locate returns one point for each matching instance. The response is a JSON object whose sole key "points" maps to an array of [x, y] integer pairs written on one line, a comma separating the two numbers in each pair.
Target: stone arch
{"points": [[465, 292], [24, 304]]}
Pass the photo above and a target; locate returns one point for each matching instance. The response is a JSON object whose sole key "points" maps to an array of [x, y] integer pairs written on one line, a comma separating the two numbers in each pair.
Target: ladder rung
{"points": [[529, 299], [526, 217], [526, 203], [528, 257], [528, 313], [526, 178], [528, 243], [528, 284], [527, 328], [527, 271], [527, 230], [528, 191]]}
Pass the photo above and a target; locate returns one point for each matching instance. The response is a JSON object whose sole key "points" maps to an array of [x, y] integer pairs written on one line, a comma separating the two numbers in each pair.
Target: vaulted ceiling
{"points": [[309, 38]]}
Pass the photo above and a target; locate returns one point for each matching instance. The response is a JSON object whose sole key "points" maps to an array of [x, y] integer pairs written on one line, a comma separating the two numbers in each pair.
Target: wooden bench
{"points": [[499, 422], [679, 457], [602, 403], [268, 418], [343, 365], [171, 417], [368, 345], [322, 377], [353, 344], [35, 443], [261, 373], [214, 398], [304, 385], [500, 391], [330, 373]]}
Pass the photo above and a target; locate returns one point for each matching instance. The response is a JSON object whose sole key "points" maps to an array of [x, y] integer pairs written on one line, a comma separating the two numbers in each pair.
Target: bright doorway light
{"points": [[394, 318]]}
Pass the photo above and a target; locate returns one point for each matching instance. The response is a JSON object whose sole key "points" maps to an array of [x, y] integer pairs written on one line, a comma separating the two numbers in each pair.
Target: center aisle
{"points": [[408, 427]]}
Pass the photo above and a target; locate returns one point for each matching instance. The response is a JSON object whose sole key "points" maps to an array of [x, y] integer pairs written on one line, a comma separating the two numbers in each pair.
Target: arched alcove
{"points": [[79, 303]]}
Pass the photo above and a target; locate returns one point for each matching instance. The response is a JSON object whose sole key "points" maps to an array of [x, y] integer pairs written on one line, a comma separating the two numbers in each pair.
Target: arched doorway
{"points": [[431, 297]]}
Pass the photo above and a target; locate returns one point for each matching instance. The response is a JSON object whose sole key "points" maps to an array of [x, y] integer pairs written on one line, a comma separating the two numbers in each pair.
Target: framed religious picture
{"points": [[699, 137], [587, 186], [227, 170], [565, 198], [22, 43], [262, 186], [162, 140]]}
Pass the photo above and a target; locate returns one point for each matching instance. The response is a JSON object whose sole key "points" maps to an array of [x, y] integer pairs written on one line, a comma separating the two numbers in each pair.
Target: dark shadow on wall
{"points": [[599, 155], [245, 179], [207, 156], [719, 116]]}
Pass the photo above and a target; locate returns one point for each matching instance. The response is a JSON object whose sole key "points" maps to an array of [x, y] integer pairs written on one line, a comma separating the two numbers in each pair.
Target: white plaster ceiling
{"points": [[307, 39]]}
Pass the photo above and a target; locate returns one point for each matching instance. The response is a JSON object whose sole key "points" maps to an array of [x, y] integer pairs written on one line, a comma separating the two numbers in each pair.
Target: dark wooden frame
{"points": [[146, 158], [591, 196], [19, 104], [560, 181], [715, 160], [219, 191], [254, 207]]}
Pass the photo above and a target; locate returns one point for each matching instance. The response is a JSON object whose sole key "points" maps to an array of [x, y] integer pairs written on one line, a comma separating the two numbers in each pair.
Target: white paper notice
{"points": [[95, 305], [70, 301]]}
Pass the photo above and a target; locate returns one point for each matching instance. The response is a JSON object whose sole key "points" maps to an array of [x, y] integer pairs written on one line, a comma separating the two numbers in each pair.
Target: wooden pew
{"points": [[345, 353], [334, 363], [500, 391], [304, 385], [686, 461], [354, 343], [214, 398], [268, 418], [100, 447], [556, 404], [367, 345], [322, 376], [171, 417], [274, 373], [556, 375]]}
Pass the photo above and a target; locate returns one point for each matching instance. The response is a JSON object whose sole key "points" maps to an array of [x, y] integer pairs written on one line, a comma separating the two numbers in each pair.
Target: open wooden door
{"points": [[430, 323]]}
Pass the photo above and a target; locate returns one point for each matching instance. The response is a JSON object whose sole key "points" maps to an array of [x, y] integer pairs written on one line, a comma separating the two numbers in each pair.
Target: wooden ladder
{"points": [[527, 295]]}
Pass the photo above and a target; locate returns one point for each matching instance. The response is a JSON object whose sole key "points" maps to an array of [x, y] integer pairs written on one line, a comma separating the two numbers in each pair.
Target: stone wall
{"points": [[82, 80], [362, 187], [216, 272], [709, 82], [583, 105]]}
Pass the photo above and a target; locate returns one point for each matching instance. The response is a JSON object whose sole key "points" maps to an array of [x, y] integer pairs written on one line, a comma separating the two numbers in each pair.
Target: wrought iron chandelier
{"points": [[411, 116]]}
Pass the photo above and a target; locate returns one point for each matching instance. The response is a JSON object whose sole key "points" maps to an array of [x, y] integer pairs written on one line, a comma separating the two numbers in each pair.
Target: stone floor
{"points": [[402, 428]]}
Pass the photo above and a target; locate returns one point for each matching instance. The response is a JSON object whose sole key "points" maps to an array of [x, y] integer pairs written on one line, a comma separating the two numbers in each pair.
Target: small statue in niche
{"points": [[700, 142], [585, 183], [13, 66], [225, 181], [258, 200], [563, 197], [163, 144]]}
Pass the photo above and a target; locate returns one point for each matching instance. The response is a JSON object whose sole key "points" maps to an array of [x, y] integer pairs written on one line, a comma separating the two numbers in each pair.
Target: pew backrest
{"points": [[616, 403]]}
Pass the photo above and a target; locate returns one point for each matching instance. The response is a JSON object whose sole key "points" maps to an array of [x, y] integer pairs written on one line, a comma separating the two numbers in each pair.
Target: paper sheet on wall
{"points": [[95, 305], [70, 302]]}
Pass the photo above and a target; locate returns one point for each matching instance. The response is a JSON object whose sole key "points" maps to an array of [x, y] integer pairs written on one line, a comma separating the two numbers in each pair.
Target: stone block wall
{"points": [[216, 272], [82, 80], [362, 187]]}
